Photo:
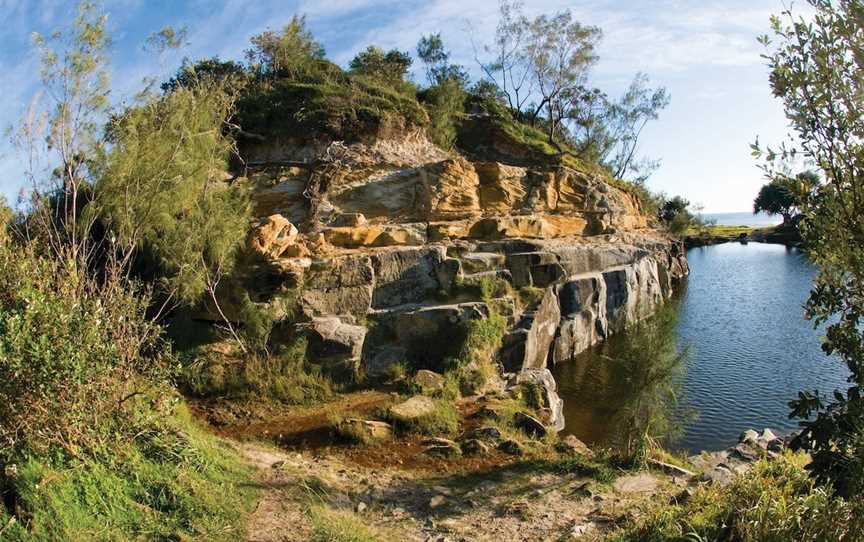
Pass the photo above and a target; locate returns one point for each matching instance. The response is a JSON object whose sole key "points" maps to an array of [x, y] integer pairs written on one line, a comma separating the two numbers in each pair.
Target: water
{"points": [[751, 351], [742, 219]]}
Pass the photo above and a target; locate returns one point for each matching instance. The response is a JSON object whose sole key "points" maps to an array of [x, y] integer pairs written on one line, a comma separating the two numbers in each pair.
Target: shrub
{"points": [[284, 376], [72, 352], [776, 501]]}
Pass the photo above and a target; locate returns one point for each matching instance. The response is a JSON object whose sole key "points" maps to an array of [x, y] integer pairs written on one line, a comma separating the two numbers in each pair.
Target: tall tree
{"points": [[75, 78], [509, 68], [560, 51], [817, 70]]}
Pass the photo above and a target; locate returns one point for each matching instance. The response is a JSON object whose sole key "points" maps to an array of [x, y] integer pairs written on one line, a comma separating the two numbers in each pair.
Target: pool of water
{"points": [[740, 316]]}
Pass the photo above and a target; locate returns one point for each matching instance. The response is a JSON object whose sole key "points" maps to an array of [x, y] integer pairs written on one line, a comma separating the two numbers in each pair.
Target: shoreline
{"points": [[716, 235]]}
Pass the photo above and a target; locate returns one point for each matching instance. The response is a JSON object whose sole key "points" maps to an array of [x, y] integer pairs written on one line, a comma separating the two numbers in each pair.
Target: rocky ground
{"points": [[402, 489]]}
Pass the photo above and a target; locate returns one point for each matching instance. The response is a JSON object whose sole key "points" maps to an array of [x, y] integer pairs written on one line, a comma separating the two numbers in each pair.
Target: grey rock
{"points": [[413, 409], [511, 447], [429, 380]]}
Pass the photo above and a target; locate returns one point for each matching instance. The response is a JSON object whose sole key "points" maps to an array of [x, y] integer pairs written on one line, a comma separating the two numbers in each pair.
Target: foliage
{"points": [[816, 72], [71, 351], [170, 482], [647, 357], [291, 53], [284, 376], [161, 190], [781, 195], [445, 102], [436, 58], [676, 216], [390, 67], [209, 72], [775, 501]]}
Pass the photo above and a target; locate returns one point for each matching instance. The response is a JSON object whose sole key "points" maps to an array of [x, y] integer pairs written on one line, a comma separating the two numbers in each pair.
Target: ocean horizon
{"points": [[742, 219]]}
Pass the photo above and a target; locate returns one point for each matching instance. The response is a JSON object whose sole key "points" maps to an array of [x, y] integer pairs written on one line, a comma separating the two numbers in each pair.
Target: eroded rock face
{"points": [[410, 244]]}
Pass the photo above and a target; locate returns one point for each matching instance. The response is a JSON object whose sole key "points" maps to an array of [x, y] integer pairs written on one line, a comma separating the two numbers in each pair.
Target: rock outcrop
{"points": [[401, 246]]}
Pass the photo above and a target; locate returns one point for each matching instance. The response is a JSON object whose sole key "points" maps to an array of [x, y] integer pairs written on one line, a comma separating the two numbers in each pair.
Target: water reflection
{"points": [[626, 392]]}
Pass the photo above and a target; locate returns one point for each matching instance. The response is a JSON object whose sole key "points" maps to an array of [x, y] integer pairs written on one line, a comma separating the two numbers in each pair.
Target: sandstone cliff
{"points": [[390, 242]]}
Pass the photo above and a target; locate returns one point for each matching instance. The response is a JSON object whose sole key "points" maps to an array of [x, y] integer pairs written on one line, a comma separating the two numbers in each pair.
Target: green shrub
{"points": [[93, 444], [285, 376], [776, 501], [171, 482], [72, 351]]}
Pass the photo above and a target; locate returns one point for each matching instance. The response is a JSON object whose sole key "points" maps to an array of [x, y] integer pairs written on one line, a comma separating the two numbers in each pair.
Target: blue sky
{"points": [[704, 51]]}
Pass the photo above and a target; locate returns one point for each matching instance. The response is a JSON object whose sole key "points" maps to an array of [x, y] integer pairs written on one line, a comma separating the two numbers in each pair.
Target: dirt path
{"points": [[523, 501]]}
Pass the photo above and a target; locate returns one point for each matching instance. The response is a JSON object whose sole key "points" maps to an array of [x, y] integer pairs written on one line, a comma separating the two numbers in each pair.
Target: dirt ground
{"points": [[405, 494]]}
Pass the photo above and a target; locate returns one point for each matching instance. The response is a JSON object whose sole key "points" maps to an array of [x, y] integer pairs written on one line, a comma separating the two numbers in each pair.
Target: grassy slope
{"points": [[189, 486]]}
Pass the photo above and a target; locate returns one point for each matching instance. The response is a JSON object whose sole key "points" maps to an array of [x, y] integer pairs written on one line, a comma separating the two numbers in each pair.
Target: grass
{"points": [[443, 420], [172, 483], [340, 526], [285, 377], [776, 501]]}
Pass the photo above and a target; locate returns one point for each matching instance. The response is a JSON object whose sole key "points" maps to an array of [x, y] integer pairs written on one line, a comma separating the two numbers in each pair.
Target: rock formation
{"points": [[403, 240]]}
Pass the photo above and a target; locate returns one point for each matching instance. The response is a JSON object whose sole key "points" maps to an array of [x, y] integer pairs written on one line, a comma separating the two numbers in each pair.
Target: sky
{"points": [[703, 51]]}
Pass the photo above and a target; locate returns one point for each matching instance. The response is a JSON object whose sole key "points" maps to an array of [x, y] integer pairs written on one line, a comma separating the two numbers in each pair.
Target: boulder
{"points": [[413, 409], [408, 275], [429, 380], [441, 447], [511, 447], [486, 433], [336, 345], [474, 447], [552, 410], [273, 235], [573, 446]]}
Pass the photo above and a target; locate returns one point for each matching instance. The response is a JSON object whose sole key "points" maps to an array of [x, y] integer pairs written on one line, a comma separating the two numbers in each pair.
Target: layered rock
{"points": [[405, 240]]}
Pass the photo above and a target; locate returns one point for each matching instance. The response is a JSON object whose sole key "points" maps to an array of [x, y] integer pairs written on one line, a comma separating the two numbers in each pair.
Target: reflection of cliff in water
{"points": [[628, 387]]}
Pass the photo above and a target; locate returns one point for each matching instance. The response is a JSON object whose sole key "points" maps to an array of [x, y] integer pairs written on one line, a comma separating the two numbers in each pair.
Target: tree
{"points": [[75, 78], [509, 69], [675, 215], [430, 50], [608, 131], [560, 52], [290, 53], [162, 195], [776, 198], [390, 67], [817, 72]]}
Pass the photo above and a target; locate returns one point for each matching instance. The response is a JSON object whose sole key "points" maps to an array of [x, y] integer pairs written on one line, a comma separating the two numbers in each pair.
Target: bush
{"points": [[284, 376], [776, 501], [443, 420], [72, 352]]}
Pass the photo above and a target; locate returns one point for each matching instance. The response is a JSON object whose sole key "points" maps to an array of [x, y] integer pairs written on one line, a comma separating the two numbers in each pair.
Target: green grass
{"points": [[283, 377], [777, 501], [173, 483], [442, 421], [340, 526]]}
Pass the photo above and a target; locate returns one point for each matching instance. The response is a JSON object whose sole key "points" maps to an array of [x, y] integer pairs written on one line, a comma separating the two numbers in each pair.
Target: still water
{"points": [[740, 316]]}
